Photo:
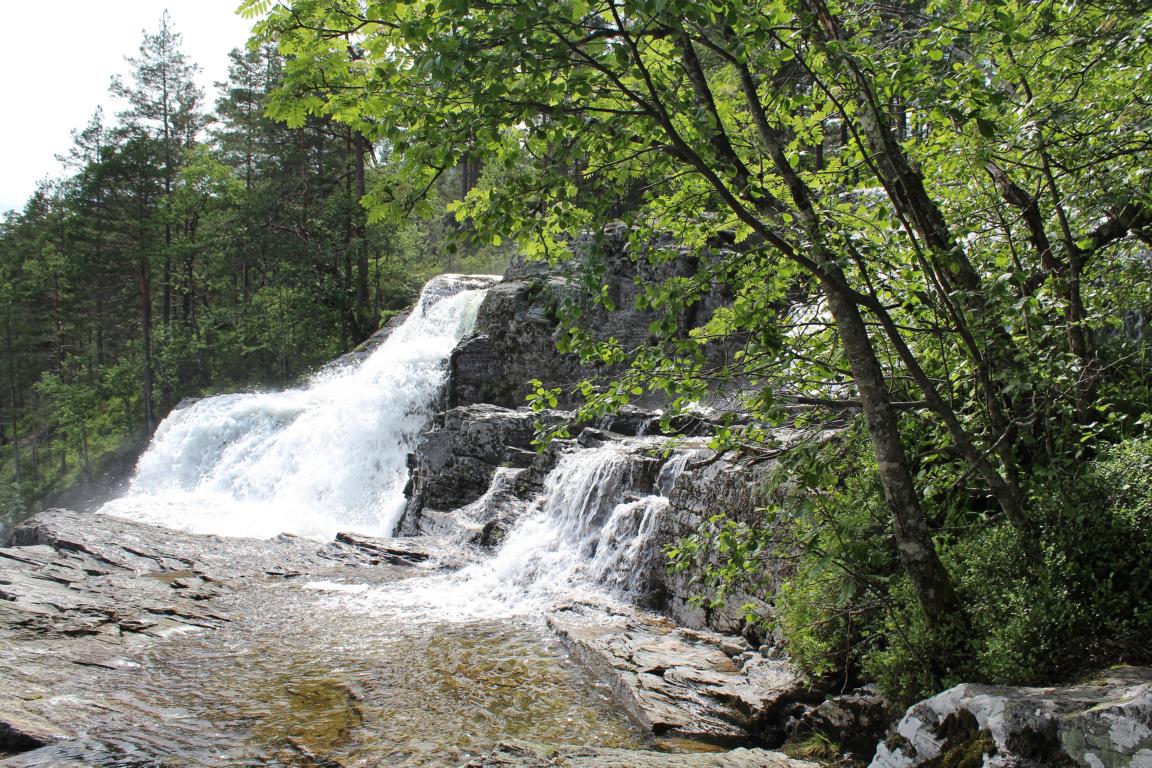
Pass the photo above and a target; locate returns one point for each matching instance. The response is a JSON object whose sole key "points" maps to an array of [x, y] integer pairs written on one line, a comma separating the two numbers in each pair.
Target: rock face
{"points": [[514, 342], [517, 327], [80, 592], [708, 486], [1103, 723], [853, 723], [477, 471], [454, 464], [688, 684]]}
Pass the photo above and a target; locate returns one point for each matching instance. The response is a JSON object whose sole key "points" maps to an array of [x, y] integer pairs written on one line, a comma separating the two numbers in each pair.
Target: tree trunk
{"points": [[930, 580], [146, 327]]}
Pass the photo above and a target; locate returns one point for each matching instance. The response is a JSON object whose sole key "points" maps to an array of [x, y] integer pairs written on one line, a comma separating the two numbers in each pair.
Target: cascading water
{"points": [[586, 537], [313, 461], [332, 456]]}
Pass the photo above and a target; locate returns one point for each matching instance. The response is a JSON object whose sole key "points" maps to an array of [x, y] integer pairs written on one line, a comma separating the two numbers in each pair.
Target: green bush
{"points": [[1085, 602]]}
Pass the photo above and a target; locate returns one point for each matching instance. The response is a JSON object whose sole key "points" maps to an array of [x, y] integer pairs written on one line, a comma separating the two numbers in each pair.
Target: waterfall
{"points": [[326, 457], [587, 536]]}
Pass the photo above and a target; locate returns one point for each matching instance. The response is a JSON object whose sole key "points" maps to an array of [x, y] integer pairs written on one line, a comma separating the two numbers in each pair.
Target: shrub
{"points": [[847, 610]]}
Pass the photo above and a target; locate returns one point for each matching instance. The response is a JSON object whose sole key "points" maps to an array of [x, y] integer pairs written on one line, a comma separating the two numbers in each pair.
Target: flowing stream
{"points": [[418, 671], [586, 537]]}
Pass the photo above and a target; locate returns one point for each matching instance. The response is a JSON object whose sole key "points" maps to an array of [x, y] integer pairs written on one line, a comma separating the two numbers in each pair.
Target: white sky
{"points": [[56, 64]]}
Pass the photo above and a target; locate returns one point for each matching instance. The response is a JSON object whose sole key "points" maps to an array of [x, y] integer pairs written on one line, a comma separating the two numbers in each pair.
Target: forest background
{"points": [[188, 249]]}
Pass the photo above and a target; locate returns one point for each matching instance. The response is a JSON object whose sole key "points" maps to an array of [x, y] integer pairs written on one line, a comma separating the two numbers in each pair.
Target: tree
{"points": [[901, 168], [163, 104]]}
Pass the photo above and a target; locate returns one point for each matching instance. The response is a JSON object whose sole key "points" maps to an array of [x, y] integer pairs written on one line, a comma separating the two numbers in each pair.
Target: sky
{"points": [[56, 64]]}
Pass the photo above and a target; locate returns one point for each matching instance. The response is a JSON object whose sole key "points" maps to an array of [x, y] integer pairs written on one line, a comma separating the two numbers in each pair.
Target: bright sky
{"points": [[56, 64]]}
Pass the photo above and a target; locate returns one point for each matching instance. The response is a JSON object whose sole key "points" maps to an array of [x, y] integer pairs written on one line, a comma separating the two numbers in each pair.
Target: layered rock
{"points": [[519, 322], [80, 593], [691, 684], [525, 755], [455, 463], [478, 470]]}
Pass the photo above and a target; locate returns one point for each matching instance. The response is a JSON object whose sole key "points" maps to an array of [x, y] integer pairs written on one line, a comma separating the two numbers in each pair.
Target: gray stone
{"points": [[81, 592], [1103, 723], [855, 722], [454, 464], [519, 323], [687, 683]]}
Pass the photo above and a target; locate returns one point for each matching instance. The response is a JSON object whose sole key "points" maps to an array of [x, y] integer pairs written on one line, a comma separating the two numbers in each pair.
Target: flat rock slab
{"points": [[521, 755], [81, 592], [687, 683], [1105, 722]]}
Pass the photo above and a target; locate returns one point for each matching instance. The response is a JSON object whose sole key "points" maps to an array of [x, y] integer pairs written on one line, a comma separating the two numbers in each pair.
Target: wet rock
{"points": [[709, 486], [523, 755], [519, 322], [686, 683], [739, 487], [477, 471], [391, 551], [82, 592], [1103, 723], [514, 342], [454, 464]]}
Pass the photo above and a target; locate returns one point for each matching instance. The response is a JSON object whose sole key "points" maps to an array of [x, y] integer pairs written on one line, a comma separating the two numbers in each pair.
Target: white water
{"points": [[328, 457], [583, 539]]}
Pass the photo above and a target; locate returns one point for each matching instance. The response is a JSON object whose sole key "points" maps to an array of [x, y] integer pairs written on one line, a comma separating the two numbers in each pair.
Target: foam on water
{"points": [[583, 539], [328, 457]]}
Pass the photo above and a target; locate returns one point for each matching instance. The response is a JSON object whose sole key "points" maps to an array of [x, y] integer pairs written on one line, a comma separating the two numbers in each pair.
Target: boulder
{"points": [[850, 724], [685, 683], [1105, 722], [456, 464]]}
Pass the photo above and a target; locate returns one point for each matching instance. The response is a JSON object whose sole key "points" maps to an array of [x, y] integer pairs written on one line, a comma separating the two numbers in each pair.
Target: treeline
{"points": [[188, 250]]}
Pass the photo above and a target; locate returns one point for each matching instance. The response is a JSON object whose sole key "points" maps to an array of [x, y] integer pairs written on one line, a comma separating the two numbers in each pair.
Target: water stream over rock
{"points": [[327, 457], [223, 651]]}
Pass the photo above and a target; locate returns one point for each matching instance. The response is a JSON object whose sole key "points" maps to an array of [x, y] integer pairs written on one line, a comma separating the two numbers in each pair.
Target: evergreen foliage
{"points": [[186, 252]]}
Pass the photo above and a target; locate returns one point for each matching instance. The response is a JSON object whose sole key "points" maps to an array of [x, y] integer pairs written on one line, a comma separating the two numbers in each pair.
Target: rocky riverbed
{"points": [[134, 645]]}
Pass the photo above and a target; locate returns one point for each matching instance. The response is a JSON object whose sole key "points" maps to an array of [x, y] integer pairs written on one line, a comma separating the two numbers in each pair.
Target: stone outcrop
{"points": [[518, 324], [850, 724], [478, 470], [710, 485], [684, 683], [514, 342], [1105, 722], [454, 464]]}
